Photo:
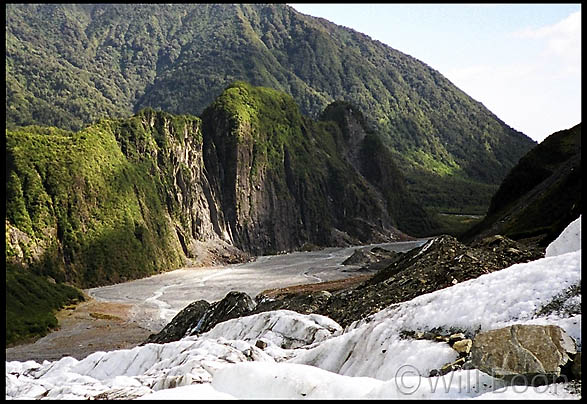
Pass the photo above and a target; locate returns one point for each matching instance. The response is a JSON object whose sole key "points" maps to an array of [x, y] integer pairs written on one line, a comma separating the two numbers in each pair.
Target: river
{"points": [[122, 315]]}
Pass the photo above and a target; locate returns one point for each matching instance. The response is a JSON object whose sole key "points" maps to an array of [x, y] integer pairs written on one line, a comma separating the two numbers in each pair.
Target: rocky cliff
{"points": [[286, 180], [127, 198]]}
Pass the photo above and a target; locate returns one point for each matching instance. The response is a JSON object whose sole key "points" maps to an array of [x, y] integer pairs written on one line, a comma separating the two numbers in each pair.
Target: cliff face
{"points": [[126, 198], [175, 158], [286, 180], [118, 200], [358, 144]]}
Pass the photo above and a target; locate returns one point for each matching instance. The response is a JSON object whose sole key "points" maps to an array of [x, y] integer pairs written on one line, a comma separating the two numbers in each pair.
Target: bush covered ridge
{"points": [[540, 195], [94, 61], [86, 209], [126, 198], [87, 204]]}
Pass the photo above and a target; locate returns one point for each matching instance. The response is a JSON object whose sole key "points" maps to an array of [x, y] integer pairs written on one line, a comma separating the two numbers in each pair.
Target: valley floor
{"points": [[122, 316], [88, 327]]}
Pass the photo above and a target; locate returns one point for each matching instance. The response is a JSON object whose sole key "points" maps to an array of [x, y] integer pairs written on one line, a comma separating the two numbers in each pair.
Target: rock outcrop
{"points": [[523, 354], [201, 316], [441, 262], [284, 180], [181, 323], [371, 259], [233, 305]]}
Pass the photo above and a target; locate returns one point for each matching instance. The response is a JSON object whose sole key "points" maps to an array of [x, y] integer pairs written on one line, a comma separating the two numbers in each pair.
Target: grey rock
{"points": [[360, 257], [181, 323], [523, 354], [233, 305], [201, 316], [576, 367]]}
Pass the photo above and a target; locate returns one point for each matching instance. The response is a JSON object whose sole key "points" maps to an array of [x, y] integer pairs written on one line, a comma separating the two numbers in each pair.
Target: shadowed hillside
{"points": [[541, 195]]}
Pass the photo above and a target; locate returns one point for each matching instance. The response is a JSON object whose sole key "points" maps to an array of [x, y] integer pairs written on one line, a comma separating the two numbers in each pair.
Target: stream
{"points": [[121, 316]]}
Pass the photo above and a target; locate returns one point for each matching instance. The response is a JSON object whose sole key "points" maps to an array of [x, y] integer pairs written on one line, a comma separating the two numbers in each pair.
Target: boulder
{"points": [[459, 336], [374, 259], [463, 347], [360, 257], [523, 354], [233, 305], [180, 324]]}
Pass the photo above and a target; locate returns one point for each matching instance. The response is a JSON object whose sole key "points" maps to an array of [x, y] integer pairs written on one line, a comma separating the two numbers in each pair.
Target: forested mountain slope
{"points": [[541, 195], [68, 65]]}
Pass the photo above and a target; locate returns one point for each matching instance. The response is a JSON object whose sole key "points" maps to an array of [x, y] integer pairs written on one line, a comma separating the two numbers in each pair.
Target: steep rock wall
{"points": [[282, 180]]}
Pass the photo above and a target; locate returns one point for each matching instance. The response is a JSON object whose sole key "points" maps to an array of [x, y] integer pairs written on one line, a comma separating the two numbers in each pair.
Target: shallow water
{"points": [[123, 315], [157, 299]]}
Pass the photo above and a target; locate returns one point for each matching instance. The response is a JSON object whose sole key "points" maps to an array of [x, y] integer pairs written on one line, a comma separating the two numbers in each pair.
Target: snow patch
{"points": [[310, 356], [568, 241]]}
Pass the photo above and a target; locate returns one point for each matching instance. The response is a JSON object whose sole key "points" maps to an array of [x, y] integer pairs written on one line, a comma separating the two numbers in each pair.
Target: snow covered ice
{"points": [[310, 356]]}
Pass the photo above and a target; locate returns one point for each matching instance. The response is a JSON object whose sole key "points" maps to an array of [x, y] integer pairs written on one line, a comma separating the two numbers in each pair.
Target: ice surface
{"points": [[284, 328], [569, 240], [310, 356]]}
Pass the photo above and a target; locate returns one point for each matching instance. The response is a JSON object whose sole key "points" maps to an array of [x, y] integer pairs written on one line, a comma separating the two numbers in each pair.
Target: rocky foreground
{"points": [[491, 320]]}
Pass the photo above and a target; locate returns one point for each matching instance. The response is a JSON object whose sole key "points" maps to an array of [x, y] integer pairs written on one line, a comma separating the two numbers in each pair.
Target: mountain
{"points": [[68, 65], [126, 198], [541, 195], [286, 180]]}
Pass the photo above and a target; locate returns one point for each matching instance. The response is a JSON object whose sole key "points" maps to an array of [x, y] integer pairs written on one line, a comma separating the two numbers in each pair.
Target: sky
{"points": [[522, 61]]}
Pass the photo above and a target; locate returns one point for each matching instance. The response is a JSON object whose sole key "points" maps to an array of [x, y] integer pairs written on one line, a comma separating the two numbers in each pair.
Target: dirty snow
{"points": [[310, 356]]}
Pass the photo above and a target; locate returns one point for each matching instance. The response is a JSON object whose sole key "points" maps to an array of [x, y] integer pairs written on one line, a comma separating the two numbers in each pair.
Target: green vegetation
{"points": [[31, 302], [272, 117], [455, 225], [541, 195], [86, 205], [90, 208], [69, 65]]}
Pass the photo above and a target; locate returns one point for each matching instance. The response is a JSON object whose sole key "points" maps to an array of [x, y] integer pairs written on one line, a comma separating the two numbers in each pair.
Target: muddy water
{"points": [[123, 315]]}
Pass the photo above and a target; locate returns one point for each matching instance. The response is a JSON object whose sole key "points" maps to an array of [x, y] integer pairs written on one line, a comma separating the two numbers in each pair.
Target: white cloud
{"points": [[538, 94], [562, 40]]}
